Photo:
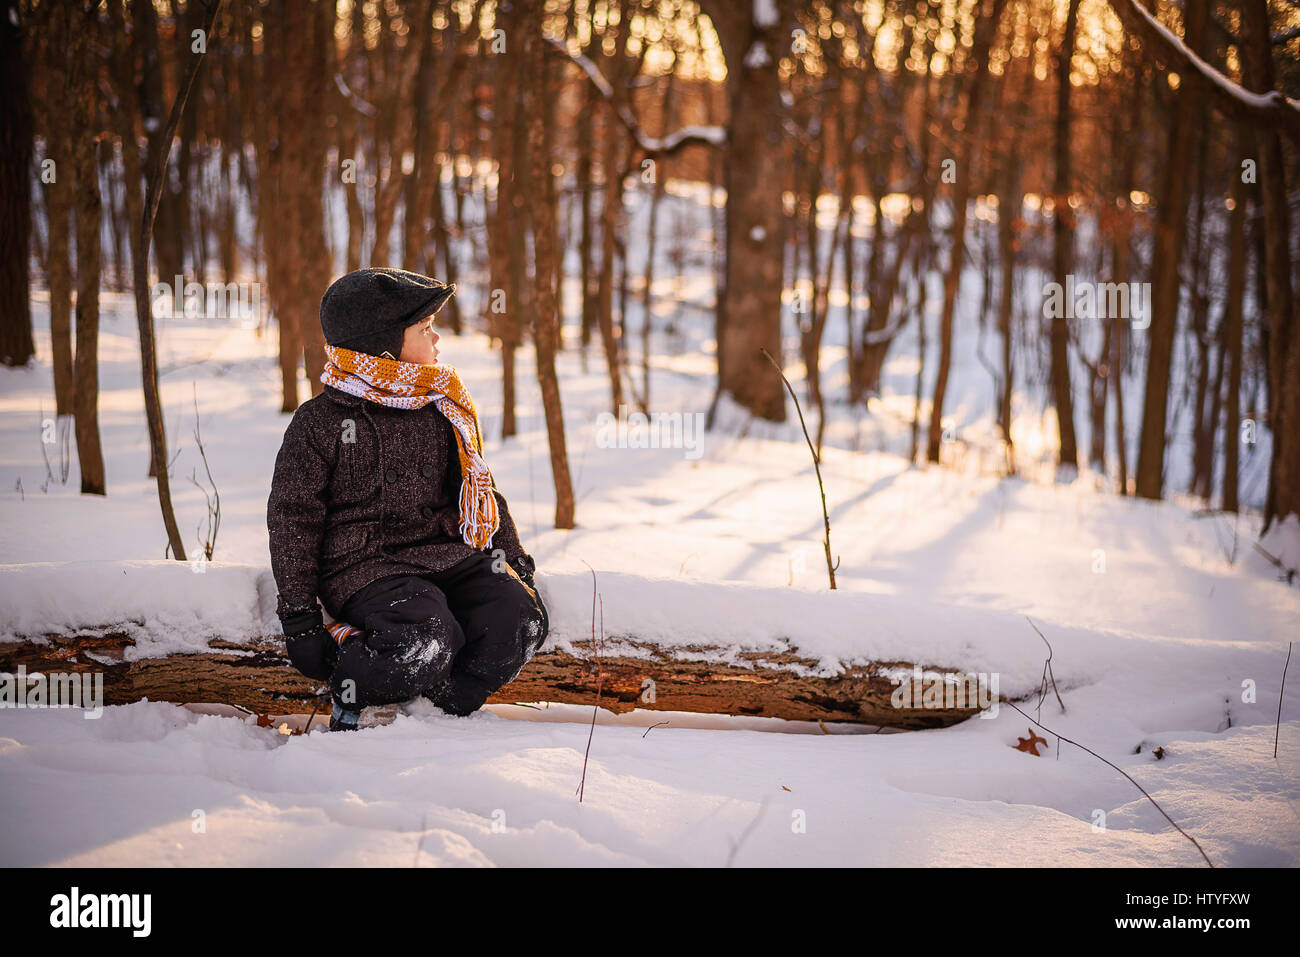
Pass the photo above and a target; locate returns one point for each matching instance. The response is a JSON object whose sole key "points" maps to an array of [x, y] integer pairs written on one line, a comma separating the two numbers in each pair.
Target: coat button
{"points": [[392, 475], [427, 512], [426, 470]]}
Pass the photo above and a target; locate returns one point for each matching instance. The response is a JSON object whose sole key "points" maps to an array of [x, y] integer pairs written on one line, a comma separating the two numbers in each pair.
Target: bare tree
{"points": [[545, 314], [1171, 210], [85, 141], [749, 307], [17, 346], [1063, 251], [985, 30], [143, 314]]}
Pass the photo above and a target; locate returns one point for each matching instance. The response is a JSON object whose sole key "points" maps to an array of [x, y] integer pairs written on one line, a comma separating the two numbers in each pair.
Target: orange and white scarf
{"points": [[409, 385]]}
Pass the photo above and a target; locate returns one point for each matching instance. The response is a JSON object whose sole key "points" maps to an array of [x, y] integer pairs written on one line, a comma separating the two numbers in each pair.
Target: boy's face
{"points": [[420, 343]]}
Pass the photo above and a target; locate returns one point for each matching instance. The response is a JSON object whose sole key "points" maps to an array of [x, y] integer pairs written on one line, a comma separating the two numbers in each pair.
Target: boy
{"points": [[382, 506]]}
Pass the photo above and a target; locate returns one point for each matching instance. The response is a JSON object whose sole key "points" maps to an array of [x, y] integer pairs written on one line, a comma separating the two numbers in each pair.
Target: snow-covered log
{"points": [[257, 676], [164, 631]]}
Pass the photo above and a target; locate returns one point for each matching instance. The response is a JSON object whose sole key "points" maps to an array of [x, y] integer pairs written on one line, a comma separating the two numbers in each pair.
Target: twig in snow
{"points": [[653, 726], [1231, 556], [600, 675], [1047, 673], [1006, 700], [817, 467], [424, 830], [736, 844], [1277, 728], [208, 542], [62, 427], [1288, 574]]}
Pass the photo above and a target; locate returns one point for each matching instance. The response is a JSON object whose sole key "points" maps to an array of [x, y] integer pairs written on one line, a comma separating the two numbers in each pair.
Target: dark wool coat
{"points": [[362, 492]]}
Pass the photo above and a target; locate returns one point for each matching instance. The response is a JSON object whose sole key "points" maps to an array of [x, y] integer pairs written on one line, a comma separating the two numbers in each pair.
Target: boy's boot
{"points": [[344, 720]]}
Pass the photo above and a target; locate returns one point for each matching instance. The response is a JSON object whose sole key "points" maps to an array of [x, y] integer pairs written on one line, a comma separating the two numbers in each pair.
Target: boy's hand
{"points": [[524, 566], [310, 646]]}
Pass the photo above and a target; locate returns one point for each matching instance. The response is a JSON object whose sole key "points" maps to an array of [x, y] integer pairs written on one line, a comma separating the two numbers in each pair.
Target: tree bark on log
{"points": [[258, 676]]}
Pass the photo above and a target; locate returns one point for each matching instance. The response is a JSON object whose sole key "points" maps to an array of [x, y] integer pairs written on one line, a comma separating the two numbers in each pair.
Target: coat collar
{"points": [[343, 398]]}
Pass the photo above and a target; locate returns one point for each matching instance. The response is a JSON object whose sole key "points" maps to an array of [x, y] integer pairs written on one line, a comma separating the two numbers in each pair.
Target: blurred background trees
{"points": [[870, 165]]}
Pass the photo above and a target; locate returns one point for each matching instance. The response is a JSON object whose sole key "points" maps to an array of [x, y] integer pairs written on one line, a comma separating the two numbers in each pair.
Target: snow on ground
{"points": [[1157, 618]]}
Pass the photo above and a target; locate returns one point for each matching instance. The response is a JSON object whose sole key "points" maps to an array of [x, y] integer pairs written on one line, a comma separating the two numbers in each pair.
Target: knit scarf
{"points": [[409, 385]]}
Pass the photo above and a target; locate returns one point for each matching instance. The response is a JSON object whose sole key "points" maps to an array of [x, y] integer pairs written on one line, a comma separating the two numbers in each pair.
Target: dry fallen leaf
{"points": [[1029, 744]]}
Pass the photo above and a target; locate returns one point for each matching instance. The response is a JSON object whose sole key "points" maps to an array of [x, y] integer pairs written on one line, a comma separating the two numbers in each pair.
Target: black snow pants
{"points": [[456, 636]]}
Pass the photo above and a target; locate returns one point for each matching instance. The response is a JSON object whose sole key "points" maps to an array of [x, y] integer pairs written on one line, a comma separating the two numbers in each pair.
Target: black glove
{"points": [[524, 566], [310, 646]]}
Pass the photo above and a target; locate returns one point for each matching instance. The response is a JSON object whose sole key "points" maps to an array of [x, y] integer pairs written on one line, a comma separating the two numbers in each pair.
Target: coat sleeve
{"points": [[507, 536], [295, 516]]}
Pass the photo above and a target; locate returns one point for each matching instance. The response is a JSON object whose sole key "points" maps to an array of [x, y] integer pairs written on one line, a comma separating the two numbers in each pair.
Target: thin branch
{"points": [[1047, 672], [650, 145], [1288, 574], [744, 835], [600, 675], [1272, 107], [143, 309], [358, 104], [1081, 747], [1277, 729], [207, 543], [826, 517]]}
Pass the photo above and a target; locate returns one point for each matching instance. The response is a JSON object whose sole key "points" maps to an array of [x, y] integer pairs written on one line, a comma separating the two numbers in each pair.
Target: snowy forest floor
{"points": [[1158, 616]]}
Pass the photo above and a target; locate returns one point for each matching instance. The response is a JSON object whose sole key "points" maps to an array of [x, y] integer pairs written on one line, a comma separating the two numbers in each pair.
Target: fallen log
{"points": [[256, 675]]}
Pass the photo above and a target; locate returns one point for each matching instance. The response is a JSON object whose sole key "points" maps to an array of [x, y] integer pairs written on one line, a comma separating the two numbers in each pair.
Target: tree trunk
{"points": [[58, 206], [85, 139], [1282, 318], [545, 313], [749, 311], [1234, 307], [313, 272], [584, 146], [612, 159], [17, 346], [1171, 213], [1063, 253], [125, 116], [1010, 201], [985, 30], [167, 245], [416, 188], [504, 313]]}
